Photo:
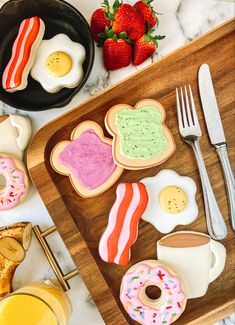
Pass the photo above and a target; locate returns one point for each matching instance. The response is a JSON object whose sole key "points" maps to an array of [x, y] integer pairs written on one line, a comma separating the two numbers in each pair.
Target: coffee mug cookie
{"points": [[172, 200], [13, 181], [141, 138], [146, 310], [87, 160], [15, 134], [197, 258]]}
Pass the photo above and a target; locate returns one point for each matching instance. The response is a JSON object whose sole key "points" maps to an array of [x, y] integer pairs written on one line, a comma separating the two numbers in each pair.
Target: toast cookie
{"points": [[141, 138], [87, 160]]}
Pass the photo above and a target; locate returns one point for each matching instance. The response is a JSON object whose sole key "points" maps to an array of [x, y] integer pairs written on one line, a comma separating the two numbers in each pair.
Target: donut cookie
{"points": [[122, 229], [165, 309], [13, 182], [87, 160], [171, 200], [58, 63], [15, 75], [15, 134], [141, 138]]}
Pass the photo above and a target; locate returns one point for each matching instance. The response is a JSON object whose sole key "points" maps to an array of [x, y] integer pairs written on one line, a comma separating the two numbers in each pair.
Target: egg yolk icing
{"points": [[89, 159], [58, 64], [141, 132], [173, 199]]}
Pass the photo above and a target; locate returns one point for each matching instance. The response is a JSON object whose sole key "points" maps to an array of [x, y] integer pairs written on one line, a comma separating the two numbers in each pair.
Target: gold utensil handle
{"points": [[62, 278]]}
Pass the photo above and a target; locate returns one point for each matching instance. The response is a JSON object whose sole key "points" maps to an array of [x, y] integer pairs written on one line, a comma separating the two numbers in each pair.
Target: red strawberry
{"points": [[117, 53], [147, 12], [127, 19], [98, 23], [145, 47]]}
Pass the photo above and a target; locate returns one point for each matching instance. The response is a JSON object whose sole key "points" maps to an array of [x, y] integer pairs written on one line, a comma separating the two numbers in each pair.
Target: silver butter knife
{"points": [[216, 132]]}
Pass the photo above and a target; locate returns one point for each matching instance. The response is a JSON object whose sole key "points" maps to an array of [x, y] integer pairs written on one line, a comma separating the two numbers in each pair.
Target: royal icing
{"points": [[171, 200], [15, 188], [141, 138], [59, 63], [122, 229], [141, 132], [170, 307], [196, 258], [30, 34], [15, 134], [89, 159]]}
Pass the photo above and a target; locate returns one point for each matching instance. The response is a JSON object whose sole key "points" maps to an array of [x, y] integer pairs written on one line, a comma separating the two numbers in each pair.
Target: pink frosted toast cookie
{"points": [[122, 229], [87, 160], [141, 138], [15, 76]]}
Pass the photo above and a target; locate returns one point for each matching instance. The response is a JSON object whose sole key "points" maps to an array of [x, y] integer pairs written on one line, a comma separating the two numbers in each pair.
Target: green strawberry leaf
{"points": [[116, 5], [107, 14], [101, 42], [159, 37], [122, 35], [128, 41], [105, 4], [102, 35], [110, 33]]}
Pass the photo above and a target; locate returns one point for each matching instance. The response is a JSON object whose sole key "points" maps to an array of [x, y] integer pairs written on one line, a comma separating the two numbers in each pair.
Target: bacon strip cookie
{"points": [[15, 76], [122, 229]]}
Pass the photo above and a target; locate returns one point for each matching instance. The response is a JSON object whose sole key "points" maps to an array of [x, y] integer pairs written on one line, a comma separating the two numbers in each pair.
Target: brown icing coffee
{"points": [[184, 240], [3, 118]]}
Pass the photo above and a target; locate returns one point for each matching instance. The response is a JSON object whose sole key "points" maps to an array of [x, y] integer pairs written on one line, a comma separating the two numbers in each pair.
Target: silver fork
{"points": [[191, 133]]}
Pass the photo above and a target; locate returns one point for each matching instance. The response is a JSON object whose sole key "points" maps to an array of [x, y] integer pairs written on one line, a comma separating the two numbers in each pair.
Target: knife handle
{"points": [[229, 179], [216, 225]]}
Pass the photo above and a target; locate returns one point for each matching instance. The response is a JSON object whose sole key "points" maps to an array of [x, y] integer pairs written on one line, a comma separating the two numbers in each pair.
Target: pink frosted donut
{"points": [[16, 187], [164, 310]]}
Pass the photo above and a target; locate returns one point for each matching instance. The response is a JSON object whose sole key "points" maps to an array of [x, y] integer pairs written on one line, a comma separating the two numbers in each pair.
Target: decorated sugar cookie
{"points": [[146, 310], [58, 63], [13, 182], [87, 160], [122, 229], [141, 138], [197, 258], [171, 200], [15, 134], [15, 75]]}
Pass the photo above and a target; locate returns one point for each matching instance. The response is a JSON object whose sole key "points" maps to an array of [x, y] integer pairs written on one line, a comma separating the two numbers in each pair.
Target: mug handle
{"points": [[23, 126], [219, 254]]}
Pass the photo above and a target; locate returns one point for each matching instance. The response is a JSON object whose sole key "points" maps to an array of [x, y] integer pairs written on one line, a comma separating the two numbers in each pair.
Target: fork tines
{"points": [[187, 115]]}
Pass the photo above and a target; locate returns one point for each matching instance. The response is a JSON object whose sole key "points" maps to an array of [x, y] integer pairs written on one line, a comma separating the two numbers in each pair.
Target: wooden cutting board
{"points": [[81, 222]]}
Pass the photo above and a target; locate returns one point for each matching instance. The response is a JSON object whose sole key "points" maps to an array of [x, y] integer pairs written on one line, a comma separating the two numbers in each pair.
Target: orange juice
{"points": [[35, 304]]}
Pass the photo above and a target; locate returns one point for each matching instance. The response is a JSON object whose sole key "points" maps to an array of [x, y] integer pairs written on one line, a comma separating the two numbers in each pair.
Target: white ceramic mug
{"points": [[196, 257], [15, 134]]}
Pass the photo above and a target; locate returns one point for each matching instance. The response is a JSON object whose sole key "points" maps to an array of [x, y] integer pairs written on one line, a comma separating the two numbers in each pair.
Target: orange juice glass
{"points": [[35, 304]]}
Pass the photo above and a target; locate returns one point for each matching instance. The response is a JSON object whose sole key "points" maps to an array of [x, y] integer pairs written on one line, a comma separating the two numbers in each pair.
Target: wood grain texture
{"points": [[81, 221]]}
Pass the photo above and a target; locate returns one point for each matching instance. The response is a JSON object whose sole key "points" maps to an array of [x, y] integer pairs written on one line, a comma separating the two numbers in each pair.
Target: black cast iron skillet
{"points": [[59, 17]]}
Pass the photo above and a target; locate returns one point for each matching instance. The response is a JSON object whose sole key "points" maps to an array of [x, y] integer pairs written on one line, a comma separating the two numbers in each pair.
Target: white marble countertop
{"points": [[181, 21]]}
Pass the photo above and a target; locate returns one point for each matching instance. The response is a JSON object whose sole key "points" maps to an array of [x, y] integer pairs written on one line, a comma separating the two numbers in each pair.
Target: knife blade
{"points": [[210, 106], [216, 132]]}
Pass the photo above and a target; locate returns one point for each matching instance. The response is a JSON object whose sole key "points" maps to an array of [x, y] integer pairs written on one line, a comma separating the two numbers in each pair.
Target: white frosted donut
{"points": [[164, 310], [16, 187]]}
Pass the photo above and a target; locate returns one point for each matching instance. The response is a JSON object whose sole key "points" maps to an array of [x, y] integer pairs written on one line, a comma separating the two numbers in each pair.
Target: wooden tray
{"points": [[81, 222]]}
